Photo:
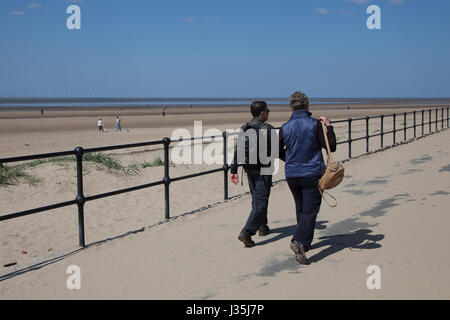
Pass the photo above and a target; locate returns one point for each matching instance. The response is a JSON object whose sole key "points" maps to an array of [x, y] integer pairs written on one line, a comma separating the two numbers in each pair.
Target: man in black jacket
{"points": [[259, 181]]}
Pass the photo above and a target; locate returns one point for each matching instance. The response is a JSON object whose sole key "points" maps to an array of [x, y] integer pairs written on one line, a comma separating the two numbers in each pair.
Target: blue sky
{"points": [[215, 48]]}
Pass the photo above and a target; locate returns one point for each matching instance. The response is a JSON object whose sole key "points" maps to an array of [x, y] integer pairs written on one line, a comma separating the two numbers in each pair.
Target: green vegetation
{"points": [[61, 161], [105, 162], [12, 175], [15, 174], [157, 162]]}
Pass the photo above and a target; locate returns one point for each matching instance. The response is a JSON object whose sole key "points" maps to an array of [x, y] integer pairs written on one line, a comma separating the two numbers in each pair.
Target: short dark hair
{"points": [[299, 100], [257, 107]]}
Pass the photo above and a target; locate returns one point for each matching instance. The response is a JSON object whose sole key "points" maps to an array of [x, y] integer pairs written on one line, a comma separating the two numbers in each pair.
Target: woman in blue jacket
{"points": [[301, 140]]}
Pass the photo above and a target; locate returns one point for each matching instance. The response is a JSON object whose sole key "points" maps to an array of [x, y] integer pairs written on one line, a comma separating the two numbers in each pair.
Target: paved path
{"points": [[393, 212]]}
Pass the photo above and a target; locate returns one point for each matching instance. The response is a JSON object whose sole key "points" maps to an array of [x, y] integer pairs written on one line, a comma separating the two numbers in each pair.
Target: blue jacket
{"points": [[303, 151]]}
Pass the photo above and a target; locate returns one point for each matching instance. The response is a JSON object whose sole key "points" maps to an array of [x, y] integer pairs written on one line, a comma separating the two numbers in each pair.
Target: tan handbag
{"points": [[334, 172]]}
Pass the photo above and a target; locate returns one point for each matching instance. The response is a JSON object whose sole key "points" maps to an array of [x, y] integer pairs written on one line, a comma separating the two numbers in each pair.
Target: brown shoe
{"points": [[246, 238], [263, 230], [299, 250]]}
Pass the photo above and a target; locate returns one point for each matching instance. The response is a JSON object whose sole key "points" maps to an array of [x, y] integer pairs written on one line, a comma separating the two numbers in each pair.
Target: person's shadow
{"points": [[359, 240], [288, 231]]}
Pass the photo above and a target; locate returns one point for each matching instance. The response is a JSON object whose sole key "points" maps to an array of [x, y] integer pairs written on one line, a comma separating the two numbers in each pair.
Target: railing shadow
{"points": [[50, 261]]}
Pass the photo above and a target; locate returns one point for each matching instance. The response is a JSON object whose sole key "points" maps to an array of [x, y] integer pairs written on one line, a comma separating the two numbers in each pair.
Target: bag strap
{"points": [[329, 160], [248, 126], [324, 192], [325, 134]]}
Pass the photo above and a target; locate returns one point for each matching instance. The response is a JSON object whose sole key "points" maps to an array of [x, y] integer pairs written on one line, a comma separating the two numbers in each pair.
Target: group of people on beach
{"points": [[301, 140], [100, 125]]}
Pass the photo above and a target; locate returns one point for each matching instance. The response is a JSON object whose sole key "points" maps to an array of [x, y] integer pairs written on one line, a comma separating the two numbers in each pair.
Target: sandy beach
{"points": [[128, 237], [28, 132]]}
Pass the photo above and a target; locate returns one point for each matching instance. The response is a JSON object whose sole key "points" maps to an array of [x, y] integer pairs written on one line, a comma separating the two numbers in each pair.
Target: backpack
{"points": [[251, 149]]}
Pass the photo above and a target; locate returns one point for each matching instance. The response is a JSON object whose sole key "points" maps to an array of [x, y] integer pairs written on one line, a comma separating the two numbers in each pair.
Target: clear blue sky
{"points": [[215, 48]]}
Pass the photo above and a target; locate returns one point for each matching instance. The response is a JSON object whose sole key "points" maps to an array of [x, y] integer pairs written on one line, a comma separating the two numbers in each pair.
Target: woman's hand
{"points": [[326, 121]]}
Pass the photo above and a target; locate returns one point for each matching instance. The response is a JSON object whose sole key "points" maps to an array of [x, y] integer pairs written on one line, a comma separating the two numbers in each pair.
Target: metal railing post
{"points": [[166, 179], [382, 130], [404, 126], [429, 119], [447, 118], [442, 119], [349, 138], [367, 134], [423, 115], [436, 122], [79, 151], [414, 114], [225, 165], [393, 129]]}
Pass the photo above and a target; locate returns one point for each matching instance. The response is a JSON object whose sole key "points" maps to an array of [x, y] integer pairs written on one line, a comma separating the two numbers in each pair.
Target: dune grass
{"points": [[157, 161], [13, 175], [10, 175], [106, 162]]}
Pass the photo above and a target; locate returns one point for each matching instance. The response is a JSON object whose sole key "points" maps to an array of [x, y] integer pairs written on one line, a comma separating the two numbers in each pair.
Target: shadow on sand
{"points": [[359, 240], [59, 257], [288, 231]]}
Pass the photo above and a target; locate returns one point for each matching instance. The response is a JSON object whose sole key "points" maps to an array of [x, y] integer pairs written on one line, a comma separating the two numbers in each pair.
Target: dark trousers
{"points": [[260, 190], [307, 205]]}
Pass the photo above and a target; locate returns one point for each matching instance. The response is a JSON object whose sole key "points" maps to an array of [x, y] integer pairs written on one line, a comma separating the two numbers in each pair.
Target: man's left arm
{"points": [[330, 134]]}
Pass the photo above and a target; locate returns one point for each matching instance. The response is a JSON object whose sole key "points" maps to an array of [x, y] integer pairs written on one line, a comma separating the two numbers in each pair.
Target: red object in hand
{"points": [[234, 178]]}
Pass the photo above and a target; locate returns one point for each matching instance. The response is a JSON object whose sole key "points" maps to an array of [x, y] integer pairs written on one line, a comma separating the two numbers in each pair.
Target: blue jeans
{"points": [[260, 190], [307, 205]]}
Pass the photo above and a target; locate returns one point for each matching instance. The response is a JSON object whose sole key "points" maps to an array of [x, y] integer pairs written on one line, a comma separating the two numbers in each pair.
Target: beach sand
{"points": [[142, 245], [28, 132]]}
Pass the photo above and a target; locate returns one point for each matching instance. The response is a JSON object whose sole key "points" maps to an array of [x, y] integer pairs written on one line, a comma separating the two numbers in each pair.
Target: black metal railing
{"points": [[80, 199], [394, 130]]}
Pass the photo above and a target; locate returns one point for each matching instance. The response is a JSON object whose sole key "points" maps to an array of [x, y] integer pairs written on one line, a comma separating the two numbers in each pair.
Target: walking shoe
{"points": [[263, 230], [299, 250], [246, 238]]}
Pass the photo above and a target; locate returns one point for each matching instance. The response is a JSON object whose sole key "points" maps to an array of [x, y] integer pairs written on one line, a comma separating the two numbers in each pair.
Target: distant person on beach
{"points": [[164, 111], [117, 128], [260, 184], [301, 140], [42, 112], [100, 125]]}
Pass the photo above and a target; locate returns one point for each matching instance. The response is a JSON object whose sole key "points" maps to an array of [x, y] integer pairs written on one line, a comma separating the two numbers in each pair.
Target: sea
{"points": [[46, 102]]}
